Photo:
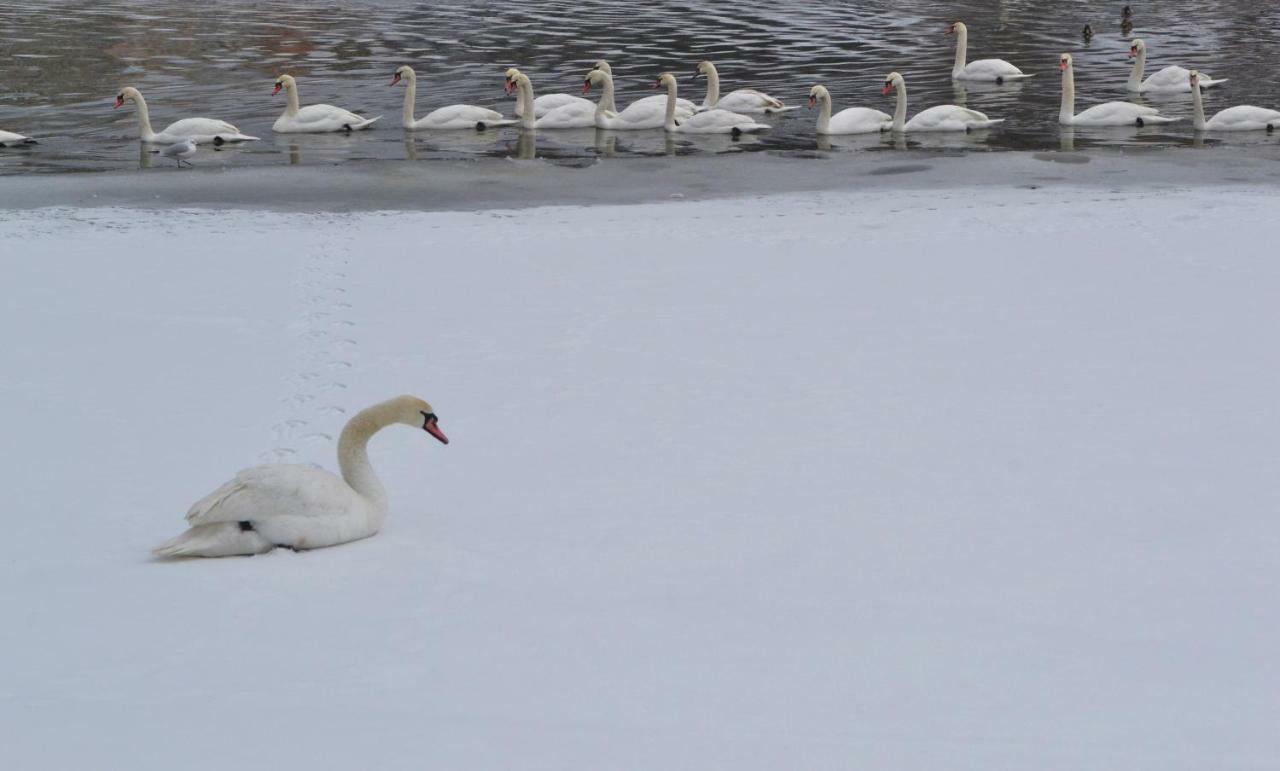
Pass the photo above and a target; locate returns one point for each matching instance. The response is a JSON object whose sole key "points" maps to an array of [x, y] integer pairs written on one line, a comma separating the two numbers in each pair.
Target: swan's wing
{"points": [[320, 116], [273, 490], [992, 68], [748, 99], [199, 127], [461, 113], [549, 102], [859, 120], [1170, 76], [1246, 115], [1116, 113], [572, 115]]}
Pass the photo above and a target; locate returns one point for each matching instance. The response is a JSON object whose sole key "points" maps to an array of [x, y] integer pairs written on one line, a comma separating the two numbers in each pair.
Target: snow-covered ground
{"points": [[917, 480]]}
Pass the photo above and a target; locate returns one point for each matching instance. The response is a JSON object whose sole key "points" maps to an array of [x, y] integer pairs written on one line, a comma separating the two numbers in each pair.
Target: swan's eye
{"points": [[428, 418]]}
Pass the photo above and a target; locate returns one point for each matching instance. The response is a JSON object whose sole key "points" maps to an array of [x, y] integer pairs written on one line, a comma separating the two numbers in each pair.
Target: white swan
{"points": [[712, 121], [1240, 118], [10, 139], [314, 118], [990, 70], [455, 116], [1170, 80], [747, 101], [944, 117], [683, 106], [199, 130], [1105, 114], [547, 102], [300, 506], [851, 120], [580, 114], [640, 115]]}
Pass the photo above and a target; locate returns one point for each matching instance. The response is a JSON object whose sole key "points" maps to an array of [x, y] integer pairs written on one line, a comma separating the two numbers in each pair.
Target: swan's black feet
{"points": [[346, 127], [245, 525], [737, 132], [219, 141], [480, 125], [1271, 127], [999, 80], [1139, 123]]}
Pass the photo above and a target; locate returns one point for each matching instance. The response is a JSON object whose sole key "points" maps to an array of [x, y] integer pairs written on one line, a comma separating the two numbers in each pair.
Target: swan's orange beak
{"points": [[950, 30], [586, 86], [887, 88], [432, 428], [1133, 51], [813, 101], [1062, 65], [509, 86], [276, 90], [119, 101], [394, 79]]}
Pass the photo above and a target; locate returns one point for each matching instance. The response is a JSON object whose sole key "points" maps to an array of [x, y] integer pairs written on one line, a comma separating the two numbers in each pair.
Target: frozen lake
{"points": [[919, 478], [220, 60]]}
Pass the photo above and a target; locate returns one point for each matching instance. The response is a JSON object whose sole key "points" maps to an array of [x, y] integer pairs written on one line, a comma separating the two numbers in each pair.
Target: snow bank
{"points": [[904, 481]]}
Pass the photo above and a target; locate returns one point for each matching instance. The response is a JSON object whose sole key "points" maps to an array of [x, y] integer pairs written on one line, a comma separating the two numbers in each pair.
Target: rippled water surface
{"points": [[61, 64]]}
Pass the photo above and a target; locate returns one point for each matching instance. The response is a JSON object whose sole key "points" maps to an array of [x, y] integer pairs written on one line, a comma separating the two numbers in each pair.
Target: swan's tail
{"points": [[218, 539], [986, 123], [1019, 76], [366, 124], [1209, 83], [751, 128], [486, 124], [782, 108]]}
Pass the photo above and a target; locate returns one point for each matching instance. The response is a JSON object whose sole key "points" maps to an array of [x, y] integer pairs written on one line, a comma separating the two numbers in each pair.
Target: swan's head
{"points": [[891, 81], [1064, 62], [284, 81], [604, 67], [818, 94], [1137, 47], [412, 411], [665, 79], [128, 92], [594, 78], [1194, 77], [958, 28], [404, 71], [705, 68], [512, 76]]}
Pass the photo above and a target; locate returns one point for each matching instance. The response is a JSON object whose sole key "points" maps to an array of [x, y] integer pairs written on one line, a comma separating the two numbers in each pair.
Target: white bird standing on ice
{"points": [[180, 151], [298, 506]]}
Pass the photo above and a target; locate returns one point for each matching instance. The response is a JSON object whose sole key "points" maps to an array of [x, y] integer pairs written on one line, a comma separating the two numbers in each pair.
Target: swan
{"points": [[581, 114], [851, 120], [945, 117], [314, 118], [645, 114], [744, 100], [683, 106], [10, 139], [1240, 118], [548, 102], [1172, 79], [455, 116], [710, 121], [301, 506], [1105, 114], [200, 130], [991, 70]]}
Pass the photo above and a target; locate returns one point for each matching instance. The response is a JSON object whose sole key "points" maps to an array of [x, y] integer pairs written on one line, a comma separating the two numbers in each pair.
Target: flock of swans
{"points": [[728, 113]]}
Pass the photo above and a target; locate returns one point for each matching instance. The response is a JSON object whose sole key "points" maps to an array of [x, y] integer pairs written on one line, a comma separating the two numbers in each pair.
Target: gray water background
{"points": [[62, 63]]}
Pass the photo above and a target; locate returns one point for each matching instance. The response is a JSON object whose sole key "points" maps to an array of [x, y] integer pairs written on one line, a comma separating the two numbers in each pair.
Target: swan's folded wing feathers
{"points": [[273, 490]]}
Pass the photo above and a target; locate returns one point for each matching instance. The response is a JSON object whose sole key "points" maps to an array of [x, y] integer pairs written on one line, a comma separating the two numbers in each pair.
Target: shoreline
{"points": [[470, 185]]}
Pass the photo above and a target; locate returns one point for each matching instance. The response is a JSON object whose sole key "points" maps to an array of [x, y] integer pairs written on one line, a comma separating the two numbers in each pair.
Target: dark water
{"points": [[61, 64]]}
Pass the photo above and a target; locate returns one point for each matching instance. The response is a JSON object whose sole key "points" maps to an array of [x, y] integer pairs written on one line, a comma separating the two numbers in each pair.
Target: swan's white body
{"points": [[713, 121], [580, 114], [453, 117], [8, 139], [986, 70], [550, 102], [314, 118], [656, 102], [199, 130], [745, 101], [640, 115], [1105, 114], [296, 506], [945, 117], [1170, 80], [1244, 117], [851, 120]]}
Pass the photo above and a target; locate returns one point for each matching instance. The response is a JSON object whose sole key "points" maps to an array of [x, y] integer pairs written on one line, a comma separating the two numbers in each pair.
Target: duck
{"points": [[1243, 117], [297, 506], [707, 121], [199, 130], [851, 120], [946, 117], [1105, 114], [314, 118], [1087, 33], [1171, 79], [455, 116], [744, 101], [987, 70], [580, 114]]}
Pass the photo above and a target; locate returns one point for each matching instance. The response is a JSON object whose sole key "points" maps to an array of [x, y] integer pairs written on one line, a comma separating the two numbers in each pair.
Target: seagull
{"points": [[180, 151]]}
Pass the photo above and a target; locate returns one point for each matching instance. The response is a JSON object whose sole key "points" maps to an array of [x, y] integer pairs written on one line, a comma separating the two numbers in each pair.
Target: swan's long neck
{"points": [[525, 88], [713, 87], [353, 455], [962, 51], [670, 122], [606, 96], [1068, 109], [410, 98], [1139, 66], [291, 95], [1197, 108], [824, 113], [900, 109], [144, 118]]}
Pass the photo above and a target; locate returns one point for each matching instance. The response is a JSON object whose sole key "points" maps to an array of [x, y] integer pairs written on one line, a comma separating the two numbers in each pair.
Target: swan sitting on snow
{"points": [[199, 130], [299, 506]]}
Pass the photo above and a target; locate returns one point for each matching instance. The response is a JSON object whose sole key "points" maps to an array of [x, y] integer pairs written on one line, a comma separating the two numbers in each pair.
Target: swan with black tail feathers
{"points": [[455, 116], [988, 70], [1105, 114], [314, 118], [744, 101], [851, 120], [1243, 117], [298, 506], [944, 117]]}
